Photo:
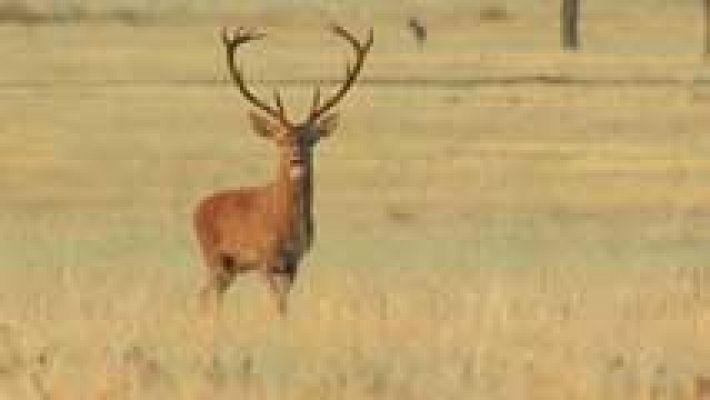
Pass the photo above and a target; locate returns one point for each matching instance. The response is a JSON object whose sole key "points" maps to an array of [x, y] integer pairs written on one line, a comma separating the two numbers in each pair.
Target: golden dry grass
{"points": [[487, 241]]}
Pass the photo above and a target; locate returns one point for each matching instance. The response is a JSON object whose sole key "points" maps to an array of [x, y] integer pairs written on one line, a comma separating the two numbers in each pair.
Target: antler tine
{"points": [[348, 68], [316, 98], [279, 104], [351, 72], [238, 37], [342, 32], [370, 38]]}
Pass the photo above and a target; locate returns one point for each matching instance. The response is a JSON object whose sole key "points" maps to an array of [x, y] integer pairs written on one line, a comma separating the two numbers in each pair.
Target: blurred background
{"points": [[498, 217]]}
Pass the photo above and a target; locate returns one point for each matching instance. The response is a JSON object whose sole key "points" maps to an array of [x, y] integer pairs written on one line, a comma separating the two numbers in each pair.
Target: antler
{"points": [[231, 41], [351, 73]]}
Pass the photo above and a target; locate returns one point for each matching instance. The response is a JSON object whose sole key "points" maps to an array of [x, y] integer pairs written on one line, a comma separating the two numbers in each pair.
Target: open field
{"points": [[495, 220]]}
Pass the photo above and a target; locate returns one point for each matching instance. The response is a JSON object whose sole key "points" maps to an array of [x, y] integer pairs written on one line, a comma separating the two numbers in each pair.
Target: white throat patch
{"points": [[297, 171]]}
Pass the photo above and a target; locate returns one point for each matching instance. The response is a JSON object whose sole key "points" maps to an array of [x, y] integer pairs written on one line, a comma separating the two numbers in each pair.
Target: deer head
{"points": [[295, 140]]}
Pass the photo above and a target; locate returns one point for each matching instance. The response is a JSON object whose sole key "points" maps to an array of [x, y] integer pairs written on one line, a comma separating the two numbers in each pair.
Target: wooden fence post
{"points": [[570, 24]]}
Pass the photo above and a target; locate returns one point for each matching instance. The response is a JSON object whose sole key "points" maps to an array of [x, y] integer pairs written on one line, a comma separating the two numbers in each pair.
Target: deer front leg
{"points": [[280, 281]]}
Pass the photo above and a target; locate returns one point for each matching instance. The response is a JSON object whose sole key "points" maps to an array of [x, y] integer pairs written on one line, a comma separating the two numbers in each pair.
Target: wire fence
{"points": [[34, 11], [439, 83], [571, 14]]}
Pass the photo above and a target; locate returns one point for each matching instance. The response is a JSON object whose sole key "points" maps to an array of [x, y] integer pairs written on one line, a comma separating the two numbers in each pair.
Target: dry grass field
{"points": [[496, 220]]}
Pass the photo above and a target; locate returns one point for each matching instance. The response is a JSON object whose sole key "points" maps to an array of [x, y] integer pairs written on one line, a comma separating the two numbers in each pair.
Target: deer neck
{"points": [[295, 202]]}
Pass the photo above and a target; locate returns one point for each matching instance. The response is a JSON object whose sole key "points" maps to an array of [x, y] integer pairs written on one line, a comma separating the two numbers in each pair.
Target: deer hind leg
{"points": [[221, 273]]}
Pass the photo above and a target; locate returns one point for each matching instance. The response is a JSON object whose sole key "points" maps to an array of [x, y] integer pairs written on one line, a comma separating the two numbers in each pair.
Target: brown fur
{"points": [[268, 228]]}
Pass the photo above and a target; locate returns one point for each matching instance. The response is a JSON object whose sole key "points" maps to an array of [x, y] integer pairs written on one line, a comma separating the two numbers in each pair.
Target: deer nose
{"points": [[296, 157]]}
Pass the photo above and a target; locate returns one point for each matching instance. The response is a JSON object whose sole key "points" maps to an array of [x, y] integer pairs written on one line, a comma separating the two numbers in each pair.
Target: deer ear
{"points": [[328, 124], [263, 126]]}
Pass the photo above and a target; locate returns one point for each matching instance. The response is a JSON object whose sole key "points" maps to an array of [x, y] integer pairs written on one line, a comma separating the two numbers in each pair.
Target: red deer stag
{"points": [[269, 228]]}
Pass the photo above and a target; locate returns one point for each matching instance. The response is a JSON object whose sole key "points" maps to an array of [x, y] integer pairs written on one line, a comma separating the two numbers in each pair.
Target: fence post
{"points": [[570, 24], [707, 27]]}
